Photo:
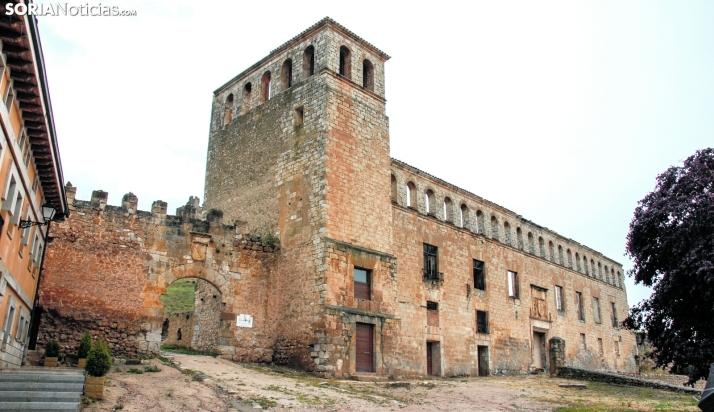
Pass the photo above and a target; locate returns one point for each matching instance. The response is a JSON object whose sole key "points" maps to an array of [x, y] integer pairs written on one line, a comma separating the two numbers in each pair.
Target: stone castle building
{"points": [[329, 254]]}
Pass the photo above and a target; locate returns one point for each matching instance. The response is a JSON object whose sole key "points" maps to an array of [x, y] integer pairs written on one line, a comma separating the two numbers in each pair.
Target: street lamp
{"points": [[48, 213]]}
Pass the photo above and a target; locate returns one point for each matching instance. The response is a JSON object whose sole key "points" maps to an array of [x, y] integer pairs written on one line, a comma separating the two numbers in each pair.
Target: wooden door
{"points": [[365, 348], [429, 360]]}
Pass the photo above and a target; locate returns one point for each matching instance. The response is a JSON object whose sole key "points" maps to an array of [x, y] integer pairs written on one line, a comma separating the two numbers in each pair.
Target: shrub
{"points": [[99, 360], [52, 349], [84, 346]]}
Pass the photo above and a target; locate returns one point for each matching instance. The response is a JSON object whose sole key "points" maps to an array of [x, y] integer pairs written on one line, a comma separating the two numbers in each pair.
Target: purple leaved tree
{"points": [[671, 242]]}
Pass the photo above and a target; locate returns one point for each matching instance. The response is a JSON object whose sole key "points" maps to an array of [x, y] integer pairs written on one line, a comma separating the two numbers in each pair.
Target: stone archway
{"points": [[217, 293], [192, 315]]}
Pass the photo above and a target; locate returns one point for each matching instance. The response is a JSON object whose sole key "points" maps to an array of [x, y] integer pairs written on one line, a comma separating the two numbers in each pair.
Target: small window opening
{"points": [[432, 305], [596, 310], [308, 62], [579, 309], [345, 62], [541, 247], [368, 75], [480, 224], [246, 97], [583, 342], [577, 262], [286, 74], [362, 283], [411, 195], [431, 263], [585, 265], [559, 302], [494, 228], [551, 248], [393, 189], [519, 238], [228, 112], [513, 289], [178, 334], [482, 322], [507, 233], [299, 115], [265, 88], [429, 202], [560, 256], [479, 275], [448, 212], [531, 243], [464, 215], [570, 259], [615, 321]]}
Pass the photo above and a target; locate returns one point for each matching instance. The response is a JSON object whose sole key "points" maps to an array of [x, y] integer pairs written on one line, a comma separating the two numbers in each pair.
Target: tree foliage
{"points": [[84, 346], [99, 360], [671, 242]]}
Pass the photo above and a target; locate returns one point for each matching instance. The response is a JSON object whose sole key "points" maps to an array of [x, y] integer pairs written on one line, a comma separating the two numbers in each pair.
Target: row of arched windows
{"points": [[286, 79], [505, 235]]}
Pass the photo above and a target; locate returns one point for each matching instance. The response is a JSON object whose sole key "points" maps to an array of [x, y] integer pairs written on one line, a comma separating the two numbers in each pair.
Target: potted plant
{"points": [[99, 362], [52, 351], [83, 350]]}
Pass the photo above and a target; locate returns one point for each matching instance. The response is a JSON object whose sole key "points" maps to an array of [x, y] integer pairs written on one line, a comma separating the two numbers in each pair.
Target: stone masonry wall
{"points": [[107, 266]]}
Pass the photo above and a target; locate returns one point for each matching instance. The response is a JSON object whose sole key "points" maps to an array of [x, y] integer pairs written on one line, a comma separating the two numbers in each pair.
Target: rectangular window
{"points": [[8, 324], [579, 306], [431, 263], [615, 322], [617, 349], [479, 275], [583, 342], [513, 291], [363, 284], [599, 347], [482, 322], [596, 310], [432, 314], [559, 298]]}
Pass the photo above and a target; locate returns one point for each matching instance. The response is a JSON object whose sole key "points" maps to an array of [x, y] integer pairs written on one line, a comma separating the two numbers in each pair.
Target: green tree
{"points": [[99, 360], [671, 243]]}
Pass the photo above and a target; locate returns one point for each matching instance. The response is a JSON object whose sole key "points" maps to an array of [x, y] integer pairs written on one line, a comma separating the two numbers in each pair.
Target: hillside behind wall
{"points": [[107, 266]]}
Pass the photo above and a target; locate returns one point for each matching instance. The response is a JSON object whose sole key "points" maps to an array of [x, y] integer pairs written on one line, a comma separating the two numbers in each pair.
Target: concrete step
{"points": [[39, 406], [37, 377], [43, 370], [29, 396], [41, 386]]}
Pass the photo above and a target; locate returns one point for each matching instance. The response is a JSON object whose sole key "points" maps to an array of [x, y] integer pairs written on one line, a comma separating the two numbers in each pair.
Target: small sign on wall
{"points": [[244, 321]]}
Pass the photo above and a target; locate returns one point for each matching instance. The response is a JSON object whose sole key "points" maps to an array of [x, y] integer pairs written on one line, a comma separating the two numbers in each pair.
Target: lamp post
{"points": [[48, 213]]}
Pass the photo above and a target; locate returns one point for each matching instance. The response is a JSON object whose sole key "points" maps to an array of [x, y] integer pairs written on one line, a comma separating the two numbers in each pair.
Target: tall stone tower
{"points": [[299, 147], [301, 134]]}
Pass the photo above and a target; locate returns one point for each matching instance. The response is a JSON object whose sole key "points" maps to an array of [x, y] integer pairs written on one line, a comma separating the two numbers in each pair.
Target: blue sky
{"points": [[564, 112]]}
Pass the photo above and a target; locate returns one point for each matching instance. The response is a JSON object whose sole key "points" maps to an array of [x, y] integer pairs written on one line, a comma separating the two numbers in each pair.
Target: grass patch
{"points": [[180, 296], [151, 368], [187, 351], [264, 402], [135, 371]]}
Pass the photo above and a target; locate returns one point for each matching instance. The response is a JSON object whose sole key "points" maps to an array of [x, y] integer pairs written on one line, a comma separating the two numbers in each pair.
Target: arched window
{"points": [[577, 262], [507, 233], [448, 210], [541, 247], [551, 248], [607, 275], [464, 216], [394, 189], [480, 224], [570, 259], [265, 86], [494, 227], [519, 238], [286, 74], [612, 276], [560, 255], [620, 280], [345, 62], [531, 243], [592, 266], [429, 202], [585, 265], [228, 111], [308, 62], [246, 97], [411, 195], [368, 75], [599, 271]]}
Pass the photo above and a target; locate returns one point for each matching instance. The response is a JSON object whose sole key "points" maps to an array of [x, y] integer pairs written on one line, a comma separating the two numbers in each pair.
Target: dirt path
{"points": [[201, 383]]}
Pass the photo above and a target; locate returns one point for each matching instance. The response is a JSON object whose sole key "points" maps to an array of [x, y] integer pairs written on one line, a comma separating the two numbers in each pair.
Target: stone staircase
{"points": [[41, 389]]}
